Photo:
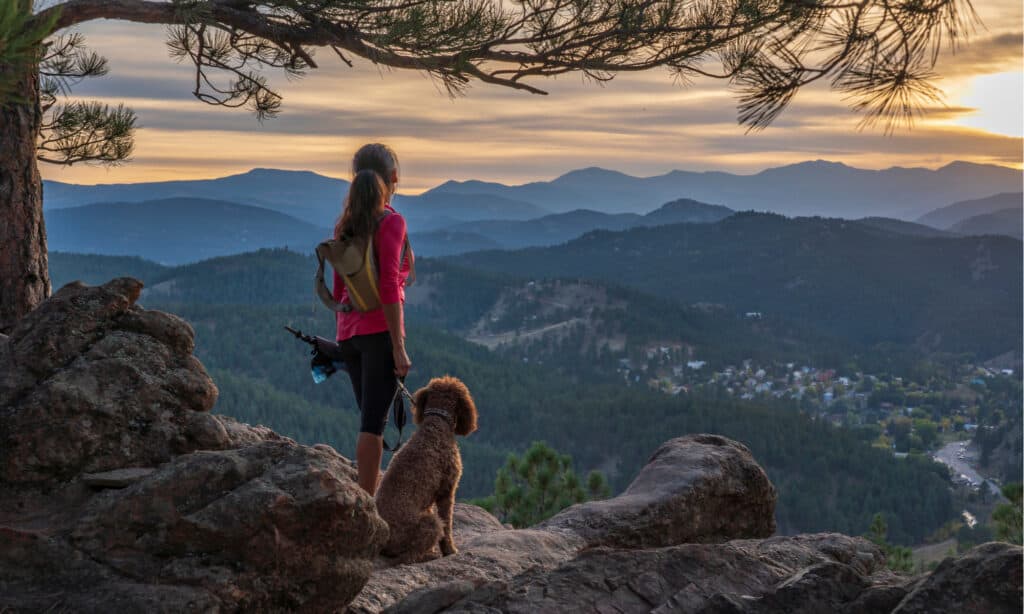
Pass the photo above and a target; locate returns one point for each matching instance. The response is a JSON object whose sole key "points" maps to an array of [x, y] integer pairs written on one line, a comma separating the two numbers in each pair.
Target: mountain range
{"points": [[183, 229], [854, 281], [310, 197], [829, 189]]}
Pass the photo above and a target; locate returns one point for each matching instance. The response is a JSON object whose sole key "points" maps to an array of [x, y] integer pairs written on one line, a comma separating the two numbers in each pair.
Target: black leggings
{"points": [[371, 367]]}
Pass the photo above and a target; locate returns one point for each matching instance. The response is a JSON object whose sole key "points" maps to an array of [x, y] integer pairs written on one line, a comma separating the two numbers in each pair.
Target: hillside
{"points": [[175, 230], [806, 188], [827, 478], [563, 323], [904, 228], [561, 227], [958, 294], [946, 217], [1006, 222]]}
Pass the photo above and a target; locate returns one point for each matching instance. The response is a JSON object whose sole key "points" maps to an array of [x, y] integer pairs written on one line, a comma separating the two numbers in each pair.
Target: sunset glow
{"points": [[642, 124]]}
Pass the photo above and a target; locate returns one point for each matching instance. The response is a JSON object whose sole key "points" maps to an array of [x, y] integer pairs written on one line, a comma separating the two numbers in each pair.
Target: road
{"points": [[948, 455]]}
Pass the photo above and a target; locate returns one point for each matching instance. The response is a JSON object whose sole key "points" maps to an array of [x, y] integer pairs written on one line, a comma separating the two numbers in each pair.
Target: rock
{"points": [[669, 503], [487, 558], [726, 577], [268, 525], [195, 511], [698, 488], [118, 478], [92, 383], [986, 579], [470, 521]]}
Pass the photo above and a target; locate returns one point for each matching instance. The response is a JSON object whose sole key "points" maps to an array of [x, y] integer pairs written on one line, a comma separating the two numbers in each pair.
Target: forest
{"points": [[828, 478], [859, 284]]}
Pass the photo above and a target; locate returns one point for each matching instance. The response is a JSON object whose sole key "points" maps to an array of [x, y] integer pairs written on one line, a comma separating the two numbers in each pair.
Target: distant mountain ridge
{"points": [[562, 227], [308, 196], [946, 217], [175, 230], [181, 230], [829, 189], [1003, 222]]}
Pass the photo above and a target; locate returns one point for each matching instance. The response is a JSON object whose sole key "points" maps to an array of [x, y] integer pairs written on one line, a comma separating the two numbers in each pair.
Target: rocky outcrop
{"points": [[698, 488], [121, 492], [92, 383], [988, 579]]}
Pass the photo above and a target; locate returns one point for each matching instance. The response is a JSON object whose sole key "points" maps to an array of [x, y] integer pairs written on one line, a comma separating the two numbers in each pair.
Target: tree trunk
{"points": [[24, 271]]}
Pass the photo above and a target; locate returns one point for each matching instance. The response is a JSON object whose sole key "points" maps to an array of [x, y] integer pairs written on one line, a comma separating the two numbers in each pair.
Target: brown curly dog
{"points": [[425, 472]]}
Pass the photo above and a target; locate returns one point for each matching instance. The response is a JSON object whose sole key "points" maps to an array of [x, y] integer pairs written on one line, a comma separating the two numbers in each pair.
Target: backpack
{"points": [[352, 258]]}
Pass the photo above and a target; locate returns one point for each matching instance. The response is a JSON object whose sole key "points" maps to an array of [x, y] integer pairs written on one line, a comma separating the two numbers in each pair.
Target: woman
{"points": [[373, 343]]}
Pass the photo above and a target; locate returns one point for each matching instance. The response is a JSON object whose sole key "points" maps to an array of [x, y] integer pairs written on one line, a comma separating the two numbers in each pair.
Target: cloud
{"points": [[639, 123]]}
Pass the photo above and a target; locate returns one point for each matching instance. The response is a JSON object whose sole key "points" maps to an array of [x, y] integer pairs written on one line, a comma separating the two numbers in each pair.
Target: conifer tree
{"points": [[538, 485]]}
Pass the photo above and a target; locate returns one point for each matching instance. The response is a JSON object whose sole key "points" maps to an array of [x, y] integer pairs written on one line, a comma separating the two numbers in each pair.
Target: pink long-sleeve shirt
{"points": [[387, 247]]}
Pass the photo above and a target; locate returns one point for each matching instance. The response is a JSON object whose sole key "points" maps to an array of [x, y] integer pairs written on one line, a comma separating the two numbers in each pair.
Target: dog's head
{"points": [[450, 394]]}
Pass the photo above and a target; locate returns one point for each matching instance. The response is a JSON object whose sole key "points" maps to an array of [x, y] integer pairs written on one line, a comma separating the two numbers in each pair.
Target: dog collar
{"points": [[435, 411]]}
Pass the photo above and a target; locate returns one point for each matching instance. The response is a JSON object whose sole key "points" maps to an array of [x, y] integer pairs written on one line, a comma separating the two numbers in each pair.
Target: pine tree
{"points": [[538, 485]]}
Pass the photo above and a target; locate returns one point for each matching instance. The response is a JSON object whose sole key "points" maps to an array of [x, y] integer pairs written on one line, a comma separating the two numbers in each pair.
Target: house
{"points": [[695, 364], [753, 315]]}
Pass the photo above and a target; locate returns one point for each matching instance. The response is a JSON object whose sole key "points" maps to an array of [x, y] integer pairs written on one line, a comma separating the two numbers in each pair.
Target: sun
{"points": [[998, 103]]}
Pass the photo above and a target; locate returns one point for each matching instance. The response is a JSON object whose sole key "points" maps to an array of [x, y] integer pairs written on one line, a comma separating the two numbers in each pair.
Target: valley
{"points": [[846, 353]]}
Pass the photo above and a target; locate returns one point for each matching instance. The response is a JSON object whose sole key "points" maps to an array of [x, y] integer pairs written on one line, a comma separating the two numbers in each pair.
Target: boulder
{"points": [[269, 525], [91, 383], [698, 488], [724, 577], [123, 493], [986, 579]]}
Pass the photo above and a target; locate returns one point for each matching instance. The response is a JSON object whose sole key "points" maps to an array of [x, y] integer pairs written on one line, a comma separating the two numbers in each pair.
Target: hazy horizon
{"points": [[642, 124], [345, 177]]}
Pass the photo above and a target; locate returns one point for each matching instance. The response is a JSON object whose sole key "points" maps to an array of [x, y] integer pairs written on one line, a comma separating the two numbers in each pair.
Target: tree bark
{"points": [[24, 270]]}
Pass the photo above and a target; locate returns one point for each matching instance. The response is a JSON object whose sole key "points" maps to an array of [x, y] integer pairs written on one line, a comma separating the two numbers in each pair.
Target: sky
{"points": [[642, 124]]}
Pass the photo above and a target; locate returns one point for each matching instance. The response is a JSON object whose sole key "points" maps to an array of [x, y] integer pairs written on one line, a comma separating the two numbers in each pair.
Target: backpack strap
{"points": [[326, 297]]}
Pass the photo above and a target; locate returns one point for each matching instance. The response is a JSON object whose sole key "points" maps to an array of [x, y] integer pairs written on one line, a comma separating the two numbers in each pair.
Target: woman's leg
{"points": [[369, 450], [378, 389]]}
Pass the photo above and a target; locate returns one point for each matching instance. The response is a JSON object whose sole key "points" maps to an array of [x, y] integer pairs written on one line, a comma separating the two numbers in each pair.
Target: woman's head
{"points": [[379, 158], [364, 203]]}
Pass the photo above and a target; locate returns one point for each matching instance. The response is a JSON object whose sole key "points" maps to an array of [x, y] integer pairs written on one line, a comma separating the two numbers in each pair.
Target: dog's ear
{"points": [[465, 409], [419, 403]]}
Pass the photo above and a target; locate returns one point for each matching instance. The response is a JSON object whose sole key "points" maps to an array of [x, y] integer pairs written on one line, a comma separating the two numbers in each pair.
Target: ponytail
{"points": [[364, 204]]}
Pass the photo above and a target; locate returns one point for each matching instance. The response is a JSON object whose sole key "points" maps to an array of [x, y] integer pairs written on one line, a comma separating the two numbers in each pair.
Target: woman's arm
{"points": [[390, 239], [393, 315]]}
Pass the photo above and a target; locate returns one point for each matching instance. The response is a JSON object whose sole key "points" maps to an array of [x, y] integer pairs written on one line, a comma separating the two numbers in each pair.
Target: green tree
{"points": [[879, 53], [897, 558], [538, 485], [1007, 517]]}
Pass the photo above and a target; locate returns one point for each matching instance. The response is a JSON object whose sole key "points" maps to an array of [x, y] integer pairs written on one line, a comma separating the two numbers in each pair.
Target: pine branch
{"points": [[879, 53]]}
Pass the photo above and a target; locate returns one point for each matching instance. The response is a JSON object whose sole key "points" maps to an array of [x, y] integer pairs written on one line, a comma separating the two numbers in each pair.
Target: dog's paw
{"points": [[448, 549]]}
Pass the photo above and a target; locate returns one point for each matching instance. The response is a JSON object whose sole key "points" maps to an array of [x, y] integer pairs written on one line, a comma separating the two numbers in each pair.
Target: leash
{"points": [[398, 411]]}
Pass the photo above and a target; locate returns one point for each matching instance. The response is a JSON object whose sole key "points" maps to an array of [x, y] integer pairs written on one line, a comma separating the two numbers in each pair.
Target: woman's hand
{"points": [[402, 362]]}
